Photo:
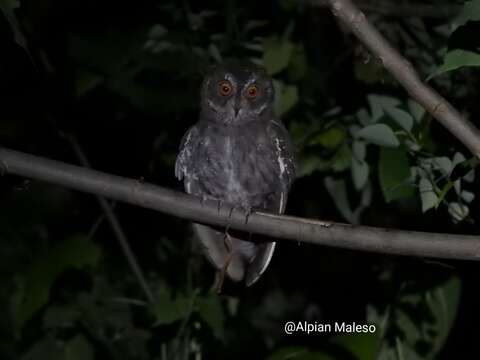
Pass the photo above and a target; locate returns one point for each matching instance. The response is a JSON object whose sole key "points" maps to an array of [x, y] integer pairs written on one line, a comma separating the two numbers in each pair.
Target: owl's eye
{"points": [[252, 91], [224, 88]]}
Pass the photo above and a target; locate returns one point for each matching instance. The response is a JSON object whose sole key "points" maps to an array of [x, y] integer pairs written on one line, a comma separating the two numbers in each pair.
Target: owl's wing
{"points": [[285, 156], [264, 250], [211, 241], [184, 157]]}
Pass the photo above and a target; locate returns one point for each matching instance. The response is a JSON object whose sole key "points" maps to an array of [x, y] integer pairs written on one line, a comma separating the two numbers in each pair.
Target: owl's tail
{"points": [[246, 260]]}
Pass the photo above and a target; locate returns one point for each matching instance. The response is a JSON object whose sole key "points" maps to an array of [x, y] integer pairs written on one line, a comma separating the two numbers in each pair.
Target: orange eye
{"points": [[224, 88], [252, 91]]}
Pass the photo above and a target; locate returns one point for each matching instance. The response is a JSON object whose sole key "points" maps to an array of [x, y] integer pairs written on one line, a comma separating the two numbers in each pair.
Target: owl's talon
{"points": [[216, 153], [248, 212]]}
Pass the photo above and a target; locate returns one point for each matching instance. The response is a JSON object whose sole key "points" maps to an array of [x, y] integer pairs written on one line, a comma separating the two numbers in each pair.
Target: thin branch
{"points": [[403, 8], [115, 225], [404, 72], [387, 241]]}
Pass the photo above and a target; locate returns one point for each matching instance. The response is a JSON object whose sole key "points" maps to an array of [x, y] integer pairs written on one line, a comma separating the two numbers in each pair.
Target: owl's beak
{"points": [[236, 108]]}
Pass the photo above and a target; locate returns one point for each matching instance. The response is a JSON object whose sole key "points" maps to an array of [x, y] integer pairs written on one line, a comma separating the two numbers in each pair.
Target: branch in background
{"points": [[189, 207], [115, 225], [404, 72], [403, 9], [406, 9]]}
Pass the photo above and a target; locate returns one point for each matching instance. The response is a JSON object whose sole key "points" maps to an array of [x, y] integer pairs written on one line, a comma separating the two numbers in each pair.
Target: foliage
{"points": [[123, 79]]}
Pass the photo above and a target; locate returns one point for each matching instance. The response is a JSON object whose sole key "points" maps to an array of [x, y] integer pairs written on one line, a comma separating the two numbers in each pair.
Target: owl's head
{"points": [[236, 93]]}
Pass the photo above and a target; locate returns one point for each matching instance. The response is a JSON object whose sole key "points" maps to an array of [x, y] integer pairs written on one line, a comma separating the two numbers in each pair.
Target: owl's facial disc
{"points": [[234, 94]]}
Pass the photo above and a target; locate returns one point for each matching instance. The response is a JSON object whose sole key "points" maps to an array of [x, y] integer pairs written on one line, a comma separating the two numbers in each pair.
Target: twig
{"points": [[404, 72], [365, 238], [115, 225]]}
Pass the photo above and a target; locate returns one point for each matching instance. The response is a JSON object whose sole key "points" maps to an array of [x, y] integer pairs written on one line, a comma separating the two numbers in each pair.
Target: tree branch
{"points": [[403, 9], [115, 225], [404, 72], [149, 196]]}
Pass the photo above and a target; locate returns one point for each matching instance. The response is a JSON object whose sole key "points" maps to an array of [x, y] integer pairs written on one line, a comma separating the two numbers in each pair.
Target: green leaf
{"points": [[364, 117], [458, 211], [329, 139], [168, 309], [337, 189], [467, 196], [378, 134], [378, 104], [78, 349], [342, 159], [456, 59], [286, 97], [46, 348], [427, 194], [443, 164], [363, 345], [359, 149], [416, 110], [443, 302], [276, 54], [211, 311], [298, 66], [401, 117], [307, 164], [470, 12], [360, 171], [394, 174], [458, 158], [418, 321], [76, 252]]}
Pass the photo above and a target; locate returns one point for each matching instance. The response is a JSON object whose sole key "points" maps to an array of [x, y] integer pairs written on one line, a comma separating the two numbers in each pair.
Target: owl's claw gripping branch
{"points": [[247, 215], [364, 238], [237, 152]]}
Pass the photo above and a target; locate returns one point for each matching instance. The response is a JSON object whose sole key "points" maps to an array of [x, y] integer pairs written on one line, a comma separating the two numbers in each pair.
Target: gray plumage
{"points": [[240, 154]]}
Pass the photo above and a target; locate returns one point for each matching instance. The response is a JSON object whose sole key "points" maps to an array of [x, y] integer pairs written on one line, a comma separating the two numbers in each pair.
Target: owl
{"points": [[238, 153]]}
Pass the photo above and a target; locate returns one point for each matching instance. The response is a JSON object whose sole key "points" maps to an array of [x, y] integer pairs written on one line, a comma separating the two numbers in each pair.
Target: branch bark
{"points": [[381, 240], [403, 8], [404, 72], [406, 9]]}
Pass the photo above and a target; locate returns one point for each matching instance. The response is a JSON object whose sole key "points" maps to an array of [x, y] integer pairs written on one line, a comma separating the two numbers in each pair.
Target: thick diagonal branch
{"points": [[404, 72], [402, 8], [149, 196], [408, 9]]}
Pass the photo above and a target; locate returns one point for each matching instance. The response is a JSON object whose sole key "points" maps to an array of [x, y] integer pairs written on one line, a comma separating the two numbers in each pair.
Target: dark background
{"points": [[126, 89]]}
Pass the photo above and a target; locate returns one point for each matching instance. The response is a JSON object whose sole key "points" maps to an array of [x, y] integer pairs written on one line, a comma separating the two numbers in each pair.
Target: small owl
{"points": [[238, 153]]}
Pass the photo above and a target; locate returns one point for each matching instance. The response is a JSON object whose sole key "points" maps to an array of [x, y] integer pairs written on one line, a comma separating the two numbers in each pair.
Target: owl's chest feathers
{"points": [[232, 169], [236, 166]]}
